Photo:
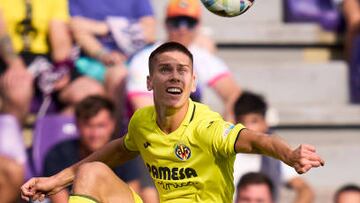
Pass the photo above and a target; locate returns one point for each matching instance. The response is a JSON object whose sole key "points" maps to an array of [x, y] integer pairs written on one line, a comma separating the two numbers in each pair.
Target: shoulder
{"points": [[203, 111], [143, 114], [204, 117]]}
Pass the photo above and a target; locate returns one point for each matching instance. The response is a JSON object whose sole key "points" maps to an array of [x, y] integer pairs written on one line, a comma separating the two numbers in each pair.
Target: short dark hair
{"points": [[346, 188], [91, 106], [167, 47], [249, 102], [255, 178]]}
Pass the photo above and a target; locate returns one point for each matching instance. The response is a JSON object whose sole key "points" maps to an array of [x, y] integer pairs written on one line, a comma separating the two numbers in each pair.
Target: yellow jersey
{"points": [[43, 12], [192, 164]]}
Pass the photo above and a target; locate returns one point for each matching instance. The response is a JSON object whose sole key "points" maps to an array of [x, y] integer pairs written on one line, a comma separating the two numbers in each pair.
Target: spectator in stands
{"points": [[110, 32], [30, 30], [255, 188], [250, 110], [347, 194], [96, 124], [351, 10], [12, 159]]}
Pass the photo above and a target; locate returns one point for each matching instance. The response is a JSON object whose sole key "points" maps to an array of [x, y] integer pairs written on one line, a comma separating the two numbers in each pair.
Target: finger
{"points": [[42, 197], [24, 197], [307, 167], [27, 187], [36, 196], [303, 169], [309, 147], [315, 157], [26, 192], [315, 164]]}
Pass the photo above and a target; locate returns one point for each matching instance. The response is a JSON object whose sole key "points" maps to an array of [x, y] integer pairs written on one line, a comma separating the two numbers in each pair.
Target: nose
{"points": [[175, 77], [95, 132], [183, 28]]}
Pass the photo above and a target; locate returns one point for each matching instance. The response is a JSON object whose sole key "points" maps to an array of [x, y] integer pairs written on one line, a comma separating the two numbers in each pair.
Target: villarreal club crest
{"points": [[182, 152]]}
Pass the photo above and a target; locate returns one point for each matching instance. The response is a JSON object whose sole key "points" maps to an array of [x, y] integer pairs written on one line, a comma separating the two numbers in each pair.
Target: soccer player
{"points": [[188, 149]]}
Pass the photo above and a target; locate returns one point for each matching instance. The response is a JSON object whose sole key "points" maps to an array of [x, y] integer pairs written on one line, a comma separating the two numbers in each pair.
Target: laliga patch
{"points": [[182, 152], [228, 128]]}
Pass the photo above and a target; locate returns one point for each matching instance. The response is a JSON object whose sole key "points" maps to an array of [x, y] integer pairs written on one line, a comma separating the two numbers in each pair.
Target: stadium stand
{"points": [[323, 12], [50, 130]]}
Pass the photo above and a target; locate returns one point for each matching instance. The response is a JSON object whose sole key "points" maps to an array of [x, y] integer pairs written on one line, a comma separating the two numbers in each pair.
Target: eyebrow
{"points": [[177, 65]]}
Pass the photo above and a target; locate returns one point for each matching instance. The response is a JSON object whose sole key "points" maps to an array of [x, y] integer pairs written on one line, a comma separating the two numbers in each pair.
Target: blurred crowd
{"points": [[79, 67]]}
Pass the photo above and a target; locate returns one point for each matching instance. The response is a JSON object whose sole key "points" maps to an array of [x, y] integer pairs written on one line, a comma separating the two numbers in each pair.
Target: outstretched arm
{"points": [[301, 159], [303, 191], [112, 154]]}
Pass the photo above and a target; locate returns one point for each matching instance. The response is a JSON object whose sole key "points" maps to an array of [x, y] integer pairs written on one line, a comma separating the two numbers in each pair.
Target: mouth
{"points": [[174, 90]]}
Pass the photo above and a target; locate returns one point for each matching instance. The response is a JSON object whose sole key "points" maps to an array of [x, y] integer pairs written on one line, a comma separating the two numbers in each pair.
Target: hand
{"points": [[62, 82], [304, 158], [112, 58], [39, 188], [16, 74]]}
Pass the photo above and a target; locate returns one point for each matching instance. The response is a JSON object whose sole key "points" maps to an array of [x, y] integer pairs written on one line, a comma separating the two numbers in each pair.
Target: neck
{"points": [[169, 119]]}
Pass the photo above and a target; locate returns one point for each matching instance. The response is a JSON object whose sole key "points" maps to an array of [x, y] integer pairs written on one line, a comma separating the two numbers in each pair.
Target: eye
{"points": [[182, 69], [165, 69]]}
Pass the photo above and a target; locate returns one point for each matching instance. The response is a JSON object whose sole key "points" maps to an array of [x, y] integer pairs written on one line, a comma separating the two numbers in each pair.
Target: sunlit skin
{"points": [[171, 70], [349, 197], [96, 131], [255, 193], [254, 121]]}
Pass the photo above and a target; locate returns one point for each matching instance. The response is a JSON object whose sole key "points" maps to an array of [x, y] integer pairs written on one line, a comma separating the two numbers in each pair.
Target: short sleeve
{"points": [[129, 140], [143, 8], [60, 10], [221, 136]]}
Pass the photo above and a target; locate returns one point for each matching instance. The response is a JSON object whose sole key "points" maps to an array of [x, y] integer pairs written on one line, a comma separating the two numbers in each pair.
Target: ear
{"points": [[149, 83], [194, 83]]}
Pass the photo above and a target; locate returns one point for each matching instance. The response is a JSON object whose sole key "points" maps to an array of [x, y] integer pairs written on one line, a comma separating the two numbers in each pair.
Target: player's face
{"points": [[257, 193], [96, 131], [182, 30], [254, 121], [349, 197], [172, 79]]}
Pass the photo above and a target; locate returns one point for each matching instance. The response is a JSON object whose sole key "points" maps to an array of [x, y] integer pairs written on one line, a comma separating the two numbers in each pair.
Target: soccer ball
{"points": [[228, 8]]}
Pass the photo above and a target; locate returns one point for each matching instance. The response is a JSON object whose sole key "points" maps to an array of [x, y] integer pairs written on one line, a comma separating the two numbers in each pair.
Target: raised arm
{"points": [[303, 191], [302, 159], [112, 154], [60, 40], [228, 91]]}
